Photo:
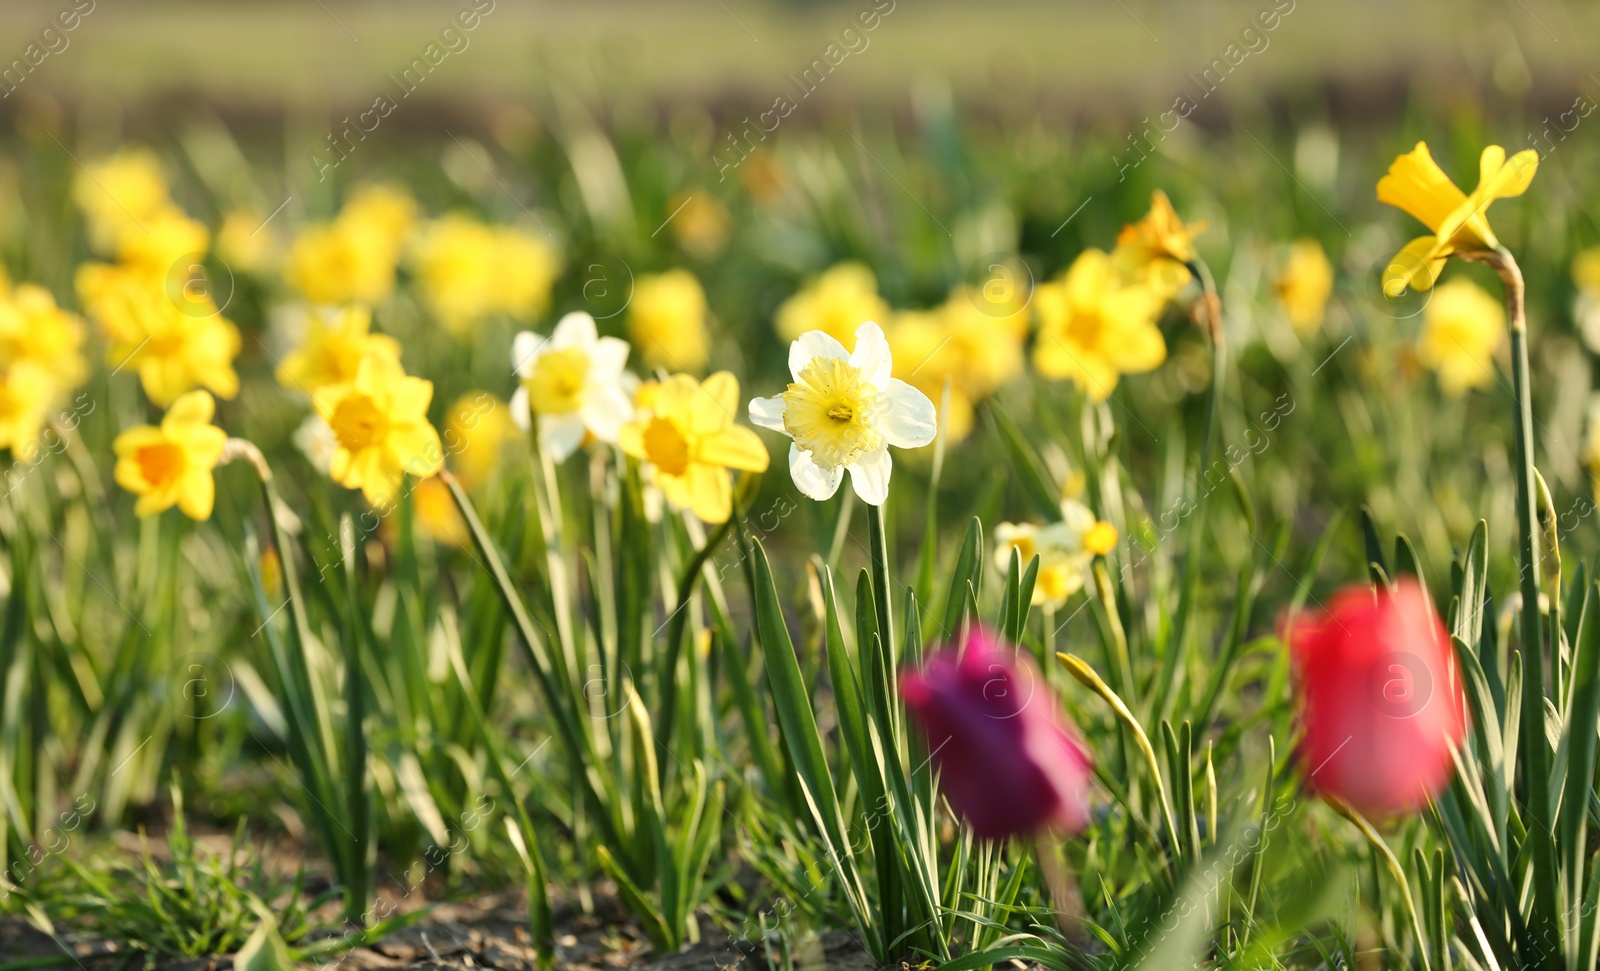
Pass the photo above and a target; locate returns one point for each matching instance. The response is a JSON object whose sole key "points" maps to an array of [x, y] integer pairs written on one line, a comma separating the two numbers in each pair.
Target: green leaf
{"points": [[264, 950]]}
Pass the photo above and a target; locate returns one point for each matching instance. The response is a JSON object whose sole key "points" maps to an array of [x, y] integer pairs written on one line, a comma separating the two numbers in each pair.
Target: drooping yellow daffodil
{"points": [[336, 340], [667, 321], [1416, 184], [172, 464], [572, 385], [173, 348], [1156, 250], [1462, 330], [836, 303], [380, 422], [1304, 284], [688, 437], [1094, 328], [843, 411], [1065, 550]]}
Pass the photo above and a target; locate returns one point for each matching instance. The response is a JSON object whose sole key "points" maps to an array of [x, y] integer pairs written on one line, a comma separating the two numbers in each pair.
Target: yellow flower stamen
{"points": [[830, 412]]}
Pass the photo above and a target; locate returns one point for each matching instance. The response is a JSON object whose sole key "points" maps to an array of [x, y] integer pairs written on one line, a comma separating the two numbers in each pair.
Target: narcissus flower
{"points": [[172, 464], [667, 321], [1416, 184], [571, 383], [335, 342], [119, 191], [477, 429], [380, 422], [469, 270], [976, 346], [170, 347], [1009, 761], [1379, 698], [352, 259], [1156, 250], [843, 412], [836, 303], [1304, 284], [1094, 328], [36, 331], [1462, 329], [25, 396], [688, 437], [1065, 550], [701, 223]]}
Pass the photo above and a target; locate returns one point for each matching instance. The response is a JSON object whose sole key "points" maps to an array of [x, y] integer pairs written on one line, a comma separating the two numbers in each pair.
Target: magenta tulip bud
{"points": [[1008, 759]]}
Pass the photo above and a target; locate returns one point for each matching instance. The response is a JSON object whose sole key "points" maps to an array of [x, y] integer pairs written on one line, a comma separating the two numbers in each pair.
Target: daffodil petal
{"points": [[871, 356], [560, 435], [608, 358], [869, 475], [574, 330], [521, 415], [606, 412], [909, 419], [813, 343], [735, 447], [710, 492], [813, 481], [525, 350], [1417, 265], [767, 413]]}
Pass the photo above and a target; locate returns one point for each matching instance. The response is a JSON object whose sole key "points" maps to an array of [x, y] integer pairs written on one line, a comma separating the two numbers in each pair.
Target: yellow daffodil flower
{"points": [[119, 192], [455, 268], [843, 411], [526, 267], [246, 241], [158, 243], [1462, 329], [1094, 328], [959, 342], [170, 349], [1156, 250], [1304, 284], [172, 464], [1065, 550], [335, 342], [1416, 184], [35, 330], [1586, 271], [352, 259], [477, 428], [26, 393], [437, 517], [701, 223], [380, 422], [667, 321], [689, 439], [572, 384], [835, 303]]}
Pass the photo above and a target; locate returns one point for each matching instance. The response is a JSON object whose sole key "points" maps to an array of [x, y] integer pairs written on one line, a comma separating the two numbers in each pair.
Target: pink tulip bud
{"points": [[1008, 760], [1380, 699]]}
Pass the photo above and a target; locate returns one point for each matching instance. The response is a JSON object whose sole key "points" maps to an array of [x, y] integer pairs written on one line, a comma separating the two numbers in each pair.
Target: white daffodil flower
{"points": [[1065, 549], [573, 383], [843, 412]]}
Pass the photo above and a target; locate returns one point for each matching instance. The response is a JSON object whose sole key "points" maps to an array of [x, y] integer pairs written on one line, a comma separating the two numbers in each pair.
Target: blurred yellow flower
{"points": [[690, 441], [336, 340], [171, 464], [959, 342], [380, 422], [1416, 184], [436, 514], [35, 331], [836, 303], [25, 397], [157, 244], [477, 429], [1094, 328], [1462, 329], [246, 243], [1304, 284], [1586, 271], [469, 270], [701, 223], [352, 259], [667, 321], [1155, 250], [119, 192], [171, 347]]}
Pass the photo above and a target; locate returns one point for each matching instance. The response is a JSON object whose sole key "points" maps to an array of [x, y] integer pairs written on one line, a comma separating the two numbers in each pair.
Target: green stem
{"points": [[880, 581], [1189, 584]]}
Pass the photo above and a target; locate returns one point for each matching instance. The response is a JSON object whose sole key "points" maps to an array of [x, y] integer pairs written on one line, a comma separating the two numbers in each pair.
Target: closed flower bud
{"points": [[1008, 760]]}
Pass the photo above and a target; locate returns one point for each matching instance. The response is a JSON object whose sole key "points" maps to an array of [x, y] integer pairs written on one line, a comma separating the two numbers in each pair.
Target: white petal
{"points": [[525, 350], [871, 356], [607, 358], [768, 413], [1076, 516], [520, 410], [560, 435], [813, 481], [574, 330], [605, 411], [908, 419], [813, 343], [870, 476]]}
